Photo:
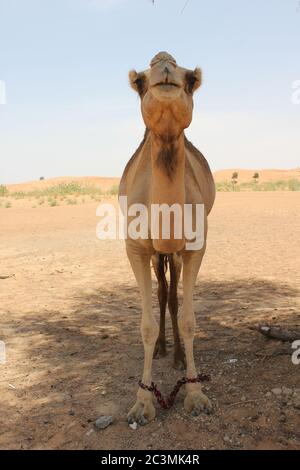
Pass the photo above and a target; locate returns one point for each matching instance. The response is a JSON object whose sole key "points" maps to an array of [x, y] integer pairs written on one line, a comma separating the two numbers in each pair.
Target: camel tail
{"points": [[172, 294], [162, 269]]}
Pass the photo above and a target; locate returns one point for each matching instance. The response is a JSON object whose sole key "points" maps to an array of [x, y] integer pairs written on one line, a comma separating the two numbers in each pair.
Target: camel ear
{"points": [[193, 80], [137, 81]]}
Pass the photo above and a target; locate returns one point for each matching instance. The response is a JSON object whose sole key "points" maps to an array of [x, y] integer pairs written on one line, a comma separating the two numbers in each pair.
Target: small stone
{"points": [[276, 391], [243, 398], [231, 361], [103, 393], [268, 394], [133, 426], [282, 418], [226, 438], [103, 422], [287, 391]]}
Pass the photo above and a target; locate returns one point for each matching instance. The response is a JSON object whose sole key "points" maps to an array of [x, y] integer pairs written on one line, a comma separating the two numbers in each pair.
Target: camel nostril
{"points": [[166, 70]]}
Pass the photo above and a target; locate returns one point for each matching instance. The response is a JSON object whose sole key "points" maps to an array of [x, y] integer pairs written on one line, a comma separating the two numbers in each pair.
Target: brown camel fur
{"points": [[167, 169]]}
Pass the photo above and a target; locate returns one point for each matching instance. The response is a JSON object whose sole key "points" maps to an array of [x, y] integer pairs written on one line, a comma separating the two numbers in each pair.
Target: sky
{"points": [[70, 111]]}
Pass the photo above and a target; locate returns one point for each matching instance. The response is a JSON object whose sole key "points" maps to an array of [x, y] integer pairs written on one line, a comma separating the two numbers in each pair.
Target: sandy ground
{"points": [[70, 317]]}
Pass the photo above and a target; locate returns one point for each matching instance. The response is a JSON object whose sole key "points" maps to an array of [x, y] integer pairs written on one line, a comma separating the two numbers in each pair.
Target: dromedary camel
{"points": [[167, 169]]}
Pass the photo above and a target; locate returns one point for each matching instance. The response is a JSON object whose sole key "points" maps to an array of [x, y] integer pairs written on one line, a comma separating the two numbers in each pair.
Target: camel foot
{"points": [[196, 402], [143, 411], [160, 349]]}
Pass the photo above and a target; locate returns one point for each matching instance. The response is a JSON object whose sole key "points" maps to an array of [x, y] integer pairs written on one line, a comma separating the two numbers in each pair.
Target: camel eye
{"points": [[190, 82], [193, 80], [140, 84]]}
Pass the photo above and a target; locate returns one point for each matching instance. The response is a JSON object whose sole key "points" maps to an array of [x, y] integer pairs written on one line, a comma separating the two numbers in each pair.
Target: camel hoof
{"points": [[141, 413], [196, 402], [143, 421]]}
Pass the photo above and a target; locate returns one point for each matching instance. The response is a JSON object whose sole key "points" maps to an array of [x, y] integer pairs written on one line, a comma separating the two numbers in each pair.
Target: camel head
{"points": [[166, 93]]}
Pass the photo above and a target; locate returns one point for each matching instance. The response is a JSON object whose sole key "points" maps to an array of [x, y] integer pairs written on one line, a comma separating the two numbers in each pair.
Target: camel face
{"points": [[166, 93]]}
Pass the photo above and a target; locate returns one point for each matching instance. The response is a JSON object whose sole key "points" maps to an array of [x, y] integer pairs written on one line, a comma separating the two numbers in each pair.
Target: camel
{"points": [[167, 169]]}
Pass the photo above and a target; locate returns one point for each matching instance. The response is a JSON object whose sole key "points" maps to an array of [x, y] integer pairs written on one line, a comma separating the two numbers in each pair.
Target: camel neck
{"points": [[167, 184], [168, 168]]}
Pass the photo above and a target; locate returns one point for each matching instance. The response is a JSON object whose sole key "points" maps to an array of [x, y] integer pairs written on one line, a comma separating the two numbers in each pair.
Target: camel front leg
{"points": [[143, 411], [195, 400]]}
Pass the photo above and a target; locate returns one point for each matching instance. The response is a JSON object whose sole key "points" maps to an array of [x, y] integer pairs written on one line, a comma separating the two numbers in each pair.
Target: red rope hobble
{"points": [[169, 401]]}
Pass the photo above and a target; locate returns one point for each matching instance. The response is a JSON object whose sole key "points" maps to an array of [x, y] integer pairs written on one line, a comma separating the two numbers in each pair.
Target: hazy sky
{"points": [[70, 110]]}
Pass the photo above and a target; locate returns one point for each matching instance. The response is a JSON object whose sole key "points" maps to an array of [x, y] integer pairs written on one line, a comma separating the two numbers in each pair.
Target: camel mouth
{"points": [[167, 85]]}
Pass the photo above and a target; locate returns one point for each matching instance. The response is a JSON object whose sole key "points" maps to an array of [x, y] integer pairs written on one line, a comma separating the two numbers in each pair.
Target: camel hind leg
{"points": [[158, 262], [175, 265]]}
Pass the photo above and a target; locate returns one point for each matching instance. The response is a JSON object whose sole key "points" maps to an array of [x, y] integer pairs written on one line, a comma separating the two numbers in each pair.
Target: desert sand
{"points": [[70, 318]]}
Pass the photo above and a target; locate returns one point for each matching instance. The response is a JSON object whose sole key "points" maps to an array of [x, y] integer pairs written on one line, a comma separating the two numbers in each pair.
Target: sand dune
{"points": [[105, 183]]}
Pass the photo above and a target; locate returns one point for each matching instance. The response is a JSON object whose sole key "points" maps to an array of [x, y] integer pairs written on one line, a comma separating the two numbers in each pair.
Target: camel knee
{"points": [[150, 333], [187, 327]]}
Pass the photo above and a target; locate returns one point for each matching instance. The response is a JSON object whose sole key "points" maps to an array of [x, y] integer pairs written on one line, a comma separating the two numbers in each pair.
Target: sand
{"points": [[70, 318]]}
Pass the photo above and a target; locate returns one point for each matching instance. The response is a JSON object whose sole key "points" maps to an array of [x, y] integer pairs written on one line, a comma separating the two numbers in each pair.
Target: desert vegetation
{"points": [[64, 193], [76, 193], [255, 185]]}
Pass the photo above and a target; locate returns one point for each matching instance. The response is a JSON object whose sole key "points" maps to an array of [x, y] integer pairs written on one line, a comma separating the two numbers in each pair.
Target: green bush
{"points": [[3, 190], [53, 203], [60, 190], [114, 190], [254, 185], [294, 185]]}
